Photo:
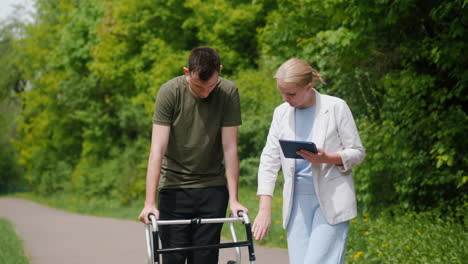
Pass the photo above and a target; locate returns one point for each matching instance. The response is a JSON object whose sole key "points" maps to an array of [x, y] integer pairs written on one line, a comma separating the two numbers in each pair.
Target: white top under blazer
{"points": [[334, 130]]}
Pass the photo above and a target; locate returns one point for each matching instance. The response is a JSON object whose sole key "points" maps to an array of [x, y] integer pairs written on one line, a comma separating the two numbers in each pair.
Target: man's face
{"points": [[199, 88]]}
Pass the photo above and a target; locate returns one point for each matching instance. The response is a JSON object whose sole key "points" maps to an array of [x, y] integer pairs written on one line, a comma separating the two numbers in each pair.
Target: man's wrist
{"points": [[150, 203]]}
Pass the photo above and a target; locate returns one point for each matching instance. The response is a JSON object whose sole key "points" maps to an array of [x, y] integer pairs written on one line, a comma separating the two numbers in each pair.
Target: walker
{"points": [[152, 237]]}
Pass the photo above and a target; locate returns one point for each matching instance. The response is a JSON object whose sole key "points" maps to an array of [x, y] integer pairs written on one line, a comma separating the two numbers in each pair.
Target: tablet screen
{"points": [[290, 147]]}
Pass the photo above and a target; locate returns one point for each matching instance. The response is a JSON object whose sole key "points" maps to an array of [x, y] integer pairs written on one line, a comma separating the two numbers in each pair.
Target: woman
{"points": [[318, 195]]}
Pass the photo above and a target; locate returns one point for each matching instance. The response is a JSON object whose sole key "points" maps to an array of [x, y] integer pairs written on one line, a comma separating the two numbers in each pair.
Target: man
{"points": [[194, 127]]}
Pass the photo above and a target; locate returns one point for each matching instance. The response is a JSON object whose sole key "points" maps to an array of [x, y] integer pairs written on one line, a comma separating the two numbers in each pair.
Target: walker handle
{"points": [[149, 216], [153, 221]]}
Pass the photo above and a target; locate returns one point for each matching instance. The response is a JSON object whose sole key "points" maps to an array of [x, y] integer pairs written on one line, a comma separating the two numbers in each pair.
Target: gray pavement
{"points": [[52, 236]]}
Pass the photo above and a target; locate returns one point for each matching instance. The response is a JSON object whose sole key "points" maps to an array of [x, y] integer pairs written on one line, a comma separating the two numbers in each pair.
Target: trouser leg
{"points": [[213, 204], [311, 240], [300, 227], [188, 204], [327, 242], [175, 204]]}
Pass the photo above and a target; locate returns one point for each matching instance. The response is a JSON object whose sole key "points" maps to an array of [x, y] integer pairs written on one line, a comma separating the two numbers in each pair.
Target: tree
{"points": [[11, 84]]}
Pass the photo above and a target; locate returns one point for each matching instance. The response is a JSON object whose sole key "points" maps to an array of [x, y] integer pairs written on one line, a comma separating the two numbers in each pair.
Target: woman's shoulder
{"points": [[282, 108], [331, 100], [334, 104]]}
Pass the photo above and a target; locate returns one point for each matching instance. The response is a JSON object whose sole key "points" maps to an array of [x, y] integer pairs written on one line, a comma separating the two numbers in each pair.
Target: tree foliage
{"points": [[95, 67], [12, 82]]}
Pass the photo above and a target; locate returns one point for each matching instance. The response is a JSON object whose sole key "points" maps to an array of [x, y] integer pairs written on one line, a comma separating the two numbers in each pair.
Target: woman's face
{"points": [[295, 95]]}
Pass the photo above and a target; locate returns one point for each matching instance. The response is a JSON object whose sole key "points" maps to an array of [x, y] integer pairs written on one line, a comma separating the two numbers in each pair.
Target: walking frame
{"points": [[152, 237]]}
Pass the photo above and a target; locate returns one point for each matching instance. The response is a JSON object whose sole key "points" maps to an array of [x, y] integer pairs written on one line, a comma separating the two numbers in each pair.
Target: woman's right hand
{"points": [[261, 225], [146, 211]]}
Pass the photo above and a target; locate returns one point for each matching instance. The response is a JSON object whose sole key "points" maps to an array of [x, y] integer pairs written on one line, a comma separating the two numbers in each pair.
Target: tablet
{"points": [[290, 147]]}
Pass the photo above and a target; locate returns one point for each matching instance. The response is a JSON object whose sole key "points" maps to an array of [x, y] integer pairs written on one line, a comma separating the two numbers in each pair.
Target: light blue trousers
{"points": [[311, 240]]}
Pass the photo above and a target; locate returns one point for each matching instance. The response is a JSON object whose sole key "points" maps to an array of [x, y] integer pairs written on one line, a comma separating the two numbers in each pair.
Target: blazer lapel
{"points": [[290, 134], [319, 131], [290, 130]]}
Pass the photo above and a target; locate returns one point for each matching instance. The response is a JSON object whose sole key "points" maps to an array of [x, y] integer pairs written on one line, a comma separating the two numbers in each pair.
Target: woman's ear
{"points": [[220, 68]]}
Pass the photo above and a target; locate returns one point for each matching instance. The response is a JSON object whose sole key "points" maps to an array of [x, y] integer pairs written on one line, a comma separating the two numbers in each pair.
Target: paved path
{"points": [[52, 236]]}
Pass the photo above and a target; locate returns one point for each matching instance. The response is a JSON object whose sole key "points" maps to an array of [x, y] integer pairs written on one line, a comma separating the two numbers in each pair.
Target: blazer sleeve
{"points": [[270, 160], [353, 152]]}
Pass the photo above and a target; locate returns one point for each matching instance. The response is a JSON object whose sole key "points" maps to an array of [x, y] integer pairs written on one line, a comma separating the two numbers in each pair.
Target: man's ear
{"points": [[220, 68], [186, 71]]}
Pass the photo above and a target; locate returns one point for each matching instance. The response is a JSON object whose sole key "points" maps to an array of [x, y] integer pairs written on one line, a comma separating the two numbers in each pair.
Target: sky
{"points": [[7, 8]]}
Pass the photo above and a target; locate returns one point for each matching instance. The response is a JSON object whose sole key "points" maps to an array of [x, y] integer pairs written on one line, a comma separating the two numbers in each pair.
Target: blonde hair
{"points": [[298, 71]]}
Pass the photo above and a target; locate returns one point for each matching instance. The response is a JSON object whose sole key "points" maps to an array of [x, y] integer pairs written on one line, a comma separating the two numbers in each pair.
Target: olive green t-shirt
{"points": [[194, 156]]}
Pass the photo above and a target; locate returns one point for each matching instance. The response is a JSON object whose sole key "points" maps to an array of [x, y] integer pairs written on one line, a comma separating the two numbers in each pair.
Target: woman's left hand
{"points": [[321, 157], [261, 224]]}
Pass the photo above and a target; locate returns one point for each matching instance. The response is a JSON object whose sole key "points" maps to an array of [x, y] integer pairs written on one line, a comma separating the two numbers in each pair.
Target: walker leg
{"points": [[238, 250]]}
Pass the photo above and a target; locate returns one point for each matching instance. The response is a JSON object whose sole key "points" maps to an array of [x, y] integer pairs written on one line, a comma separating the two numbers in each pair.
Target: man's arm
{"points": [[159, 141], [231, 160]]}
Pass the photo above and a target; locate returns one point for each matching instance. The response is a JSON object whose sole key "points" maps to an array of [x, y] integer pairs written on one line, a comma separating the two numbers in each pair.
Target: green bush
{"points": [[10, 172], [119, 179], [258, 98], [248, 170]]}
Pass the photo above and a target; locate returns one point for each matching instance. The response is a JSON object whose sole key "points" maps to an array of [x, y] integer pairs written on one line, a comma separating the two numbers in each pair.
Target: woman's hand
{"points": [[321, 157], [261, 225]]}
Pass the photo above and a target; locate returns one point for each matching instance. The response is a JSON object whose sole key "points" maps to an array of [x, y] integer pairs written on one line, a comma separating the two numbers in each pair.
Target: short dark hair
{"points": [[204, 61]]}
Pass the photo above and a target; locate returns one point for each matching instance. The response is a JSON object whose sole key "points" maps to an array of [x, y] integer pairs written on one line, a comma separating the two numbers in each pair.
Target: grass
{"points": [[409, 238], [96, 207], [12, 251], [406, 238]]}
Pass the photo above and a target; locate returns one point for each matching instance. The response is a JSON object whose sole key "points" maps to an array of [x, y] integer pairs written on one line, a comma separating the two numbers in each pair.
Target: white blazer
{"points": [[334, 130]]}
